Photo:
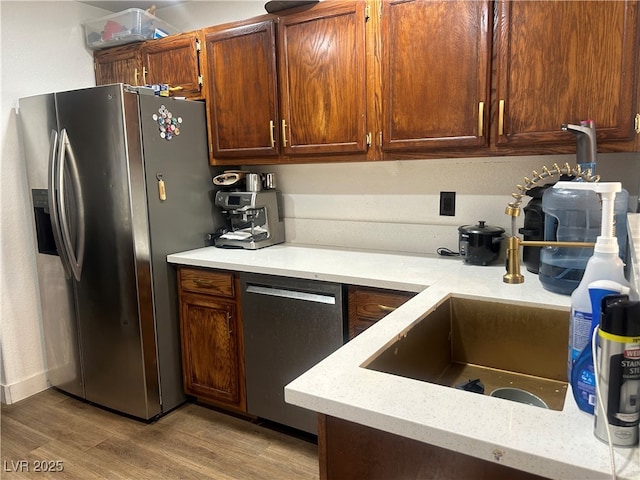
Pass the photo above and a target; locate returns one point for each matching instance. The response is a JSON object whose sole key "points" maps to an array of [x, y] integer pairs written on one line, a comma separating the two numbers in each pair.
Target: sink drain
{"points": [[519, 395]]}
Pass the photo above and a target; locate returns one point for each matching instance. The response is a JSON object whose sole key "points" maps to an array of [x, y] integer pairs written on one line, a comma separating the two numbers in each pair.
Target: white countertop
{"points": [[555, 444]]}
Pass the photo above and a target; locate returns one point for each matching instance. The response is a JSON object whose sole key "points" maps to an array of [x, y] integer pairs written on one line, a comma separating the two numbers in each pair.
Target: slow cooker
{"points": [[479, 244]]}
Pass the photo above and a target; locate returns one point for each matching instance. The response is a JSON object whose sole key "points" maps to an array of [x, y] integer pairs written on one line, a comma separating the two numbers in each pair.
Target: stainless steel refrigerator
{"points": [[118, 180]]}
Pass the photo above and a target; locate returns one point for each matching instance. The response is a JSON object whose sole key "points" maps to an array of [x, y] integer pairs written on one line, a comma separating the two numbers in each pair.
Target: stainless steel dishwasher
{"points": [[289, 326]]}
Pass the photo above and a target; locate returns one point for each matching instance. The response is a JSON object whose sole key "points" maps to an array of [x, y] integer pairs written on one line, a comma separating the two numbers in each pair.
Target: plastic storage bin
{"points": [[131, 25]]}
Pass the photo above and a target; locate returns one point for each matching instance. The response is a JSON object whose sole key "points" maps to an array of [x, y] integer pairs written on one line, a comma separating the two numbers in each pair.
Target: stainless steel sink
{"points": [[503, 345]]}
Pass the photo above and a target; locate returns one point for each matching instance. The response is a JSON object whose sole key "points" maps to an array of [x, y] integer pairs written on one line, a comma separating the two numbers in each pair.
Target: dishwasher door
{"points": [[289, 326]]}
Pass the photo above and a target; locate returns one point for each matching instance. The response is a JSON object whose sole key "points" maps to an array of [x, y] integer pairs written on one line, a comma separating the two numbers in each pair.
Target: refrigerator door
{"points": [[111, 249], [181, 213], [40, 140]]}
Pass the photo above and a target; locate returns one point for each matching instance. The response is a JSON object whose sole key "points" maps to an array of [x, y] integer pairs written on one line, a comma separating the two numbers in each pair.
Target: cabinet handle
{"points": [[481, 119], [203, 283], [228, 324], [501, 118], [144, 75], [284, 132], [136, 74], [386, 308], [272, 127]]}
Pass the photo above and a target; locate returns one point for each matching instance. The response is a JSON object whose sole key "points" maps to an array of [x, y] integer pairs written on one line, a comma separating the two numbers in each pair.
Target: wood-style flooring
{"points": [[191, 442]]}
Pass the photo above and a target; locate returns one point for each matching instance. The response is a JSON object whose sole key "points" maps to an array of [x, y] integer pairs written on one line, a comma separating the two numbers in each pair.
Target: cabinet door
{"points": [[368, 305], [174, 61], [562, 62], [321, 56], [118, 65], [209, 332], [242, 91], [435, 74]]}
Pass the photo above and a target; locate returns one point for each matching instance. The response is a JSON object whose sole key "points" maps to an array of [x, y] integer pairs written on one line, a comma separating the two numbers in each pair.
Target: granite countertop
{"points": [[555, 444]]}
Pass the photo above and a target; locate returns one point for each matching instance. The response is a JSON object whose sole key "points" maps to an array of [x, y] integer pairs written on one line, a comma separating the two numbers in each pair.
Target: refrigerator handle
{"points": [[75, 255], [54, 208]]}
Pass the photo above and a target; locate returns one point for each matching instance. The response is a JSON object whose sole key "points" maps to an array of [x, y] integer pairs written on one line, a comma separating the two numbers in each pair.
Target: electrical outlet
{"points": [[448, 204]]}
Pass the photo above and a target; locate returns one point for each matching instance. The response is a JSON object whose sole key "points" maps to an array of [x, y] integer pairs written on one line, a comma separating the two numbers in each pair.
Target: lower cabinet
{"points": [[211, 337], [353, 451], [368, 305]]}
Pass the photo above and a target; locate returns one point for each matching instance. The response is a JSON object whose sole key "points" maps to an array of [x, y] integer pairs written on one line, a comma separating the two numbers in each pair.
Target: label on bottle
{"points": [[623, 399], [580, 335]]}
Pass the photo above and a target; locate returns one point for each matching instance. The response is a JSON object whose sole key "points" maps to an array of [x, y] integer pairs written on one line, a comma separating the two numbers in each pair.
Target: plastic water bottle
{"points": [[574, 216], [570, 216]]}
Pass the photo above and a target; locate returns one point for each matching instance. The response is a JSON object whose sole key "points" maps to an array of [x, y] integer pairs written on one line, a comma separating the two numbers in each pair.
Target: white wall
{"points": [[383, 205], [42, 50], [395, 205]]}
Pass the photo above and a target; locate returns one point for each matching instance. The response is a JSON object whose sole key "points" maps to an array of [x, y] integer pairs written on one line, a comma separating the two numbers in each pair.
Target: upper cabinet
{"points": [[321, 56], [173, 60], [435, 74], [562, 62], [118, 65], [242, 92], [393, 79], [302, 95]]}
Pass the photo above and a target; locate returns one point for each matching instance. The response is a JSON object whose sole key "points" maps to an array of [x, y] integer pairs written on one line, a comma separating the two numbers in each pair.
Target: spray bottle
{"points": [[618, 408], [583, 377], [604, 264]]}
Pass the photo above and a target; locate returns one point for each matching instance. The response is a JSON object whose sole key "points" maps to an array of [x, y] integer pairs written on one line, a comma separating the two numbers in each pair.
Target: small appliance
{"points": [[480, 244], [255, 219]]}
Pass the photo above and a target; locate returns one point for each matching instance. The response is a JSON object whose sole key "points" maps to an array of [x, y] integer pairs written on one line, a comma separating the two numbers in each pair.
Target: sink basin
{"points": [[503, 345]]}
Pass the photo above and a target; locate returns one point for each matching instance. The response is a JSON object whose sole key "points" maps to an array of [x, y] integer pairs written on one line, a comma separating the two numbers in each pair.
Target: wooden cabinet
{"points": [[348, 450], [173, 60], [368, 305], [244, 119], [118, 65], [562, 62], [553, 63], [435, 74], [211, 337], [323, 80], [302, 95]]}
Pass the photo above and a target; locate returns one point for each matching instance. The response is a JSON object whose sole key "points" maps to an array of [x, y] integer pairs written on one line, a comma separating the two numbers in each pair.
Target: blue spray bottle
{"points": [[583, 378]]}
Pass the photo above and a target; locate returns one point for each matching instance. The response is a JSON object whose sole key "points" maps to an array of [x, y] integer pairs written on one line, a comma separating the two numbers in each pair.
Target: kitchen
{"points": [[322, 200]]}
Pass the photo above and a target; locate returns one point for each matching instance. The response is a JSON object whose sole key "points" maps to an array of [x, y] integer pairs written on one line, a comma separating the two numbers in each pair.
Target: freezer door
{"points": [[39, 132], [113, 286]]}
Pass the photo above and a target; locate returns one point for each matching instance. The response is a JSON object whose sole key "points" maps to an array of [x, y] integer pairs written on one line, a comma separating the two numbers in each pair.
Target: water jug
{"points": [[574, 216]]}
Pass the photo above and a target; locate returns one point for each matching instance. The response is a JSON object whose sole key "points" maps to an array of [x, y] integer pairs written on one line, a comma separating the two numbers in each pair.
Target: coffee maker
{"points": [[255, 219]]}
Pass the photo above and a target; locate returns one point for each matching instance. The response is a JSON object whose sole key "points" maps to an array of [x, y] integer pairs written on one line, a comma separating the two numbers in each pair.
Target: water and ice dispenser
{"points": [[42, 217]]}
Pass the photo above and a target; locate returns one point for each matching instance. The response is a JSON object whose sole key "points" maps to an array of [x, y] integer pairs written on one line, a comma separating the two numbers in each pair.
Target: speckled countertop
{"points": [[555, 444]]}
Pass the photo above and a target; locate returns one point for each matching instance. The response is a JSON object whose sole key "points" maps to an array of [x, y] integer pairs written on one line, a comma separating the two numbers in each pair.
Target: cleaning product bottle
{"points": [[619, 371], [583, 378], [604, 264]]}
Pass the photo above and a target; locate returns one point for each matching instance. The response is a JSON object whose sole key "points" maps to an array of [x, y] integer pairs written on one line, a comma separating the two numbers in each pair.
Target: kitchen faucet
{"points": [[513, 275]]}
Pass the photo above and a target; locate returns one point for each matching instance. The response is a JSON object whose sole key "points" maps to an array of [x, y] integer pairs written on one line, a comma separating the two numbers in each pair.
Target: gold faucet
{"points": [[513, 274]]}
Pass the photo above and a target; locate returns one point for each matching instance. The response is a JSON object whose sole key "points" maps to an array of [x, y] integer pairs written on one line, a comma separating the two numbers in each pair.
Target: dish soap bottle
{"points": [[583, 377], [604, 264]]}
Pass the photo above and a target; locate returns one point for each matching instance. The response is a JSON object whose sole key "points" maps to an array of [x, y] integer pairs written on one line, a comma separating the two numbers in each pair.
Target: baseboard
{"points": [[24, 388]]}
